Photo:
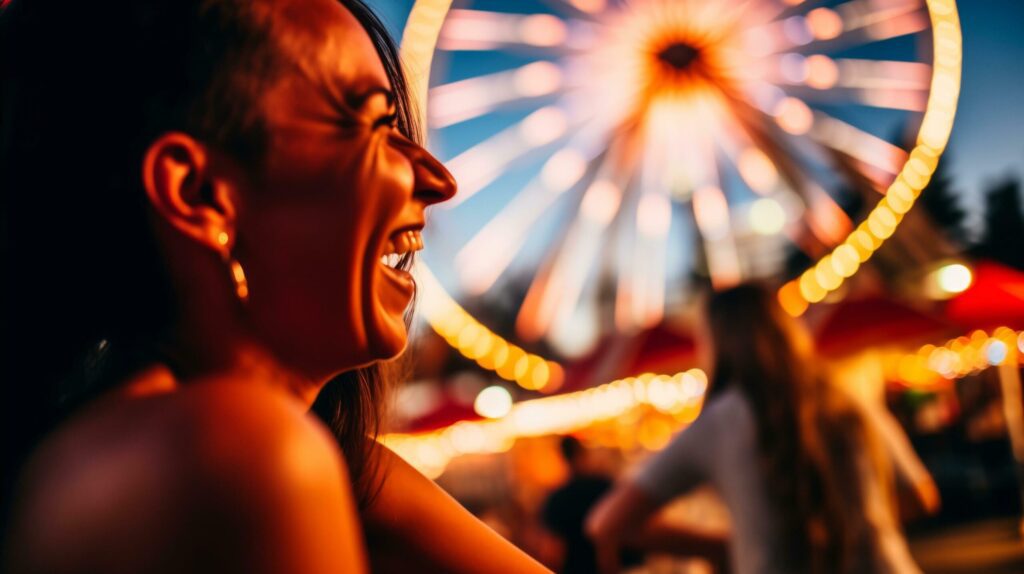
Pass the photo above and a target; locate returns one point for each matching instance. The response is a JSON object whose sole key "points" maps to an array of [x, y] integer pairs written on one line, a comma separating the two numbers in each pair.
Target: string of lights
{"points": [[829, 273], [561, 414], [475, 341], [680, 394], [931, 365]]}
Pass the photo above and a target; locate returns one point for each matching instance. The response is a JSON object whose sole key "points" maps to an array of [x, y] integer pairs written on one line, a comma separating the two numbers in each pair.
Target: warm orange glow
{"points": [[543, 126], [757, 170], [794, 116], [241, 283], [663, 398], [537, 79], [654, 215], [542, 30], [711, 212], [601, 202], [822, 72], [824, 23], [791, 300]]}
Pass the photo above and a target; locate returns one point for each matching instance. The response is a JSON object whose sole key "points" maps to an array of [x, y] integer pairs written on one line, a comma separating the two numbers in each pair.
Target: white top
{"points": [[720, 449]]}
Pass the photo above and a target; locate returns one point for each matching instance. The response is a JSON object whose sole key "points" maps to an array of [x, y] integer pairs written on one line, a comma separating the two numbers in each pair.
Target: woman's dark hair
{"points": [[809, 438], [85, 87]]}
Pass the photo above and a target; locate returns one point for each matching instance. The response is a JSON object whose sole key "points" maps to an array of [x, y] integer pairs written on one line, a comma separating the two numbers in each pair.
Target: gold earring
{"points": [[237, 273], [241, 283]]}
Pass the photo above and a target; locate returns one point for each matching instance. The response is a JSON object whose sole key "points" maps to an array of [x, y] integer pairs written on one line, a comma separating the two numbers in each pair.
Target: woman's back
{"points": [[721, 449]]}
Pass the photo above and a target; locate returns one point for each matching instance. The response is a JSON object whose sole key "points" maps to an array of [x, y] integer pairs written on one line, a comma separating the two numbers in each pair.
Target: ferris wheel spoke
{"points": [[857, 143], [711, 213], [640, 290], [631, 292], [585, 8], [880, 84], [906, 100], [480, 263], [860, 174], [824, 219], [831, 29], [824, 75], [473, 97], [758, 155], [797, 119], [483, 163], [770, 167], [890, 24], [640, 293], [826, 222], [886, 74], [711, 209], [480, 30], [555, 291]]}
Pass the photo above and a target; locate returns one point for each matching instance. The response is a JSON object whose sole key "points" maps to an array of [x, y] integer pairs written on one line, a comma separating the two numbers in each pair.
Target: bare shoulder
{"points": [[217, 476]]}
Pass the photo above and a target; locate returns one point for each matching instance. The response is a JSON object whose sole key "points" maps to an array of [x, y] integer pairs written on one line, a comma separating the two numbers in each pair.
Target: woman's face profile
{"points": [[339, 189]]}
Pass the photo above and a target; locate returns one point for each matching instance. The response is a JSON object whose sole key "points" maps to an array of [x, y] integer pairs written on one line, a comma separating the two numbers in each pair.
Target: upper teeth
{"points": [[399, 245]]}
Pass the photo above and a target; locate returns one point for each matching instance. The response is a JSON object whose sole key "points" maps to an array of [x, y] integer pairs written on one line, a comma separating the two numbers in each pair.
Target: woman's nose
{"points": [[434, 183]]}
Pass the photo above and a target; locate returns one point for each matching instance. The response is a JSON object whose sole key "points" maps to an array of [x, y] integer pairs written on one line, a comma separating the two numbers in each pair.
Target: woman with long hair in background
{"points": [[805, 473], [210, 208]]}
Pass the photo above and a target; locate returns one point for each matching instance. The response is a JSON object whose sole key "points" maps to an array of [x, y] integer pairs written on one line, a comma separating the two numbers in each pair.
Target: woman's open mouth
{"points": [[400, 244]]}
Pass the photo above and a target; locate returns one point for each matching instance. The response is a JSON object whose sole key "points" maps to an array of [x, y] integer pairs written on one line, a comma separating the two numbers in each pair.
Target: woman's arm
{"points": [[624, 510], [414, 526], [623, 517], [661, 537], [628, 517], [912, 477]]}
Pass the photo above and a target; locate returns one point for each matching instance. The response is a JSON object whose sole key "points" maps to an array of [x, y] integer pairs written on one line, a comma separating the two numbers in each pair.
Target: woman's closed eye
{"points": [[389, 121]]}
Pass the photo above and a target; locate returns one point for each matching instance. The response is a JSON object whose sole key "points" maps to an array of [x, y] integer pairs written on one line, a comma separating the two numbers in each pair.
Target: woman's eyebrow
{"points": [[359, 99]]}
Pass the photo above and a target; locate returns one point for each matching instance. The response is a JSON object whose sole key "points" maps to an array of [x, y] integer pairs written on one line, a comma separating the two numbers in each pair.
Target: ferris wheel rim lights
{"points": [[831, 271]]}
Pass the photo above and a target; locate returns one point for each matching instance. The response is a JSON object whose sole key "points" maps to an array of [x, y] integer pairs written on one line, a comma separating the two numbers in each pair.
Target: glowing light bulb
{"points": [[822, 72], [824, 24], [767, 217], [537, 79], [493, 402], [794, 116], [954, 278], [542, 30], [544, 126], [564, 169], [757, 170], [996, 352]]}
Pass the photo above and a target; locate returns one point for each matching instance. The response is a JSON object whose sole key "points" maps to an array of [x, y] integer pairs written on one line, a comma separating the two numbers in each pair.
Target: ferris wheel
{"points": [[608, 150]]}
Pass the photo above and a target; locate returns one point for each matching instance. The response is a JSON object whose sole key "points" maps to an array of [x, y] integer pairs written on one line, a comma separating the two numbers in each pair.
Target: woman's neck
{"points": [[235, 359]]}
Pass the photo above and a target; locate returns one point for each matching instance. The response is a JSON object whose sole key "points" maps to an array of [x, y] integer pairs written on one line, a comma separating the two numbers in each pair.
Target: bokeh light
{"points": [[493, 402]]}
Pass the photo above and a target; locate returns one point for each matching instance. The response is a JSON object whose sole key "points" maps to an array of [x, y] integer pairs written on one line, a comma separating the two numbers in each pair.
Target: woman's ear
{"points": [[185, 192]]}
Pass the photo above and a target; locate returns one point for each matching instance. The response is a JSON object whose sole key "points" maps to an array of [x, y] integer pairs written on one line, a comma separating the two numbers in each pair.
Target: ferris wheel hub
{"points": [[679, 55]]}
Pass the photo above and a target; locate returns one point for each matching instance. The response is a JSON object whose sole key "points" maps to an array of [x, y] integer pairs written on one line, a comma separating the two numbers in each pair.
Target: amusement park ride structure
{"points": [[616, 134]]}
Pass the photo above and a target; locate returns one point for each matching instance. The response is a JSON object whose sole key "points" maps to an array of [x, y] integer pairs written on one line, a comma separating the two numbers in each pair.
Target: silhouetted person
{"points": [[567, 507]]}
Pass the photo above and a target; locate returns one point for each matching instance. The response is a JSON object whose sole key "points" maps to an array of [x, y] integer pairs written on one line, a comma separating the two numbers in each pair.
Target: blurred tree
{"points": [[1003, 235], [942, 205]]}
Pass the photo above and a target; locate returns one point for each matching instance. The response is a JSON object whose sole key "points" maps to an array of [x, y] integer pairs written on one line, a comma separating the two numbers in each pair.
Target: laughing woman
{"points": [[204, 202]]}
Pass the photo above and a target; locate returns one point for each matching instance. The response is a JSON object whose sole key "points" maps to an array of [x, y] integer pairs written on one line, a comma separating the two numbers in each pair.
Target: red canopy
{"points": [[994, 299], [856, 324]]}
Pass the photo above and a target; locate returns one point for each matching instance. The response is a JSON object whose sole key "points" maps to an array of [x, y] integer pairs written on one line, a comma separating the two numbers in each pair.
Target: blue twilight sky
{"points": [[988, 139]]}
